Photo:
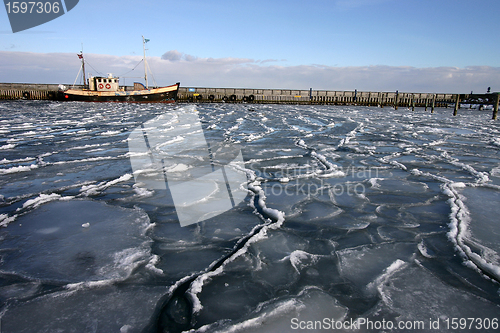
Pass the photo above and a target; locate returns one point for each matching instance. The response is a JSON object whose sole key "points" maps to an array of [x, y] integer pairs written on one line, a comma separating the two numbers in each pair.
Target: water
{"points": [[363, 217]]}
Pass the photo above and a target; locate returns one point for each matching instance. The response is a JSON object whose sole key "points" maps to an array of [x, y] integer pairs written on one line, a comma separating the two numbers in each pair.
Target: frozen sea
{"points": [[353, 219]]}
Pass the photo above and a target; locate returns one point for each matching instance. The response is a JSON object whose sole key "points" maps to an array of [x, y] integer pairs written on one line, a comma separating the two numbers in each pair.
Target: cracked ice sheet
{"points": [[414, 294], [363, 264], [279, 315], [102, 309], [76, 241]]}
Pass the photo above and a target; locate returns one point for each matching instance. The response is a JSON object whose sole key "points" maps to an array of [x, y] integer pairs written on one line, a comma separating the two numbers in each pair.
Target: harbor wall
{"points": [[290, 96], [264, 96], [27, 91]]}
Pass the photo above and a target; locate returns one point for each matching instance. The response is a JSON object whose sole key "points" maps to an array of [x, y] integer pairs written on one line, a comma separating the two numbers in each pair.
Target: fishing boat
{"points": [[107, 89]]}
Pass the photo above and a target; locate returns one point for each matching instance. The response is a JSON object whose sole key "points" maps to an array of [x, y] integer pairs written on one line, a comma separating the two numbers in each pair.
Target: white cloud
{"points": [[175, 66], [175, 55], [172, 55]]}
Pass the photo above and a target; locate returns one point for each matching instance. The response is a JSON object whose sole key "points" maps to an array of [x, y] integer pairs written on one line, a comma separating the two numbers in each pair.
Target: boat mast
{"points": [[145, 63], [83, 68], [83, 65]]}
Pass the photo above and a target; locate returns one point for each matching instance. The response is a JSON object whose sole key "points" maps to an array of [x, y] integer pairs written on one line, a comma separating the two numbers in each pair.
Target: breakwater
{"points": [[235, 95], [284, 96], [28, 91], [311, 96]]}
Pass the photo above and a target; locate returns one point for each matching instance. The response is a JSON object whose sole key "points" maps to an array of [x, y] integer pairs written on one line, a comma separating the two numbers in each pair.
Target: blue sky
{"points": [[285, 37]]}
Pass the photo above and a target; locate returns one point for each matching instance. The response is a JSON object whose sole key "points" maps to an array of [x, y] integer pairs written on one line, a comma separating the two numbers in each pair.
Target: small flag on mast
{"points": [[146, 40], [80, 56]]}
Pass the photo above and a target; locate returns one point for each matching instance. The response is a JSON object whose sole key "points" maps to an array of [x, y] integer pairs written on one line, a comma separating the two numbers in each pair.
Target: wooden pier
{"points": [[287, 96], [9, 91], [28, 91], [322, 97], [480, 100]]}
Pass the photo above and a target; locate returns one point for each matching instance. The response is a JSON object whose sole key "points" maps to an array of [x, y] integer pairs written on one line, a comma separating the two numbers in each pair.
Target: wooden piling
{"points": [[457, 105], [433, 103], [495, 107]]}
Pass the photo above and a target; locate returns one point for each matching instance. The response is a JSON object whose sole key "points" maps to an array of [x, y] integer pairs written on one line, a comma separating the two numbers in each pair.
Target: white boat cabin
{"points": [[99, 83]]}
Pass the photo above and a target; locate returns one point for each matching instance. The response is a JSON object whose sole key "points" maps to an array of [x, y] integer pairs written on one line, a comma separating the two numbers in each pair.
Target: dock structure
{"points": [[480, 100], [394, 99], [290, 96], [28, 91]]}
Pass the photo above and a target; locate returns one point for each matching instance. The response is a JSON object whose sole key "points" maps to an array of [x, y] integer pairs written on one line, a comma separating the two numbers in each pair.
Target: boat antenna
{"points": [[144, 41]]}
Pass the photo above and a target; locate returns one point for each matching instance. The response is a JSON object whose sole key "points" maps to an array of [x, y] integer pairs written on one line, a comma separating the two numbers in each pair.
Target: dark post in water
{"points": [[495, 107], [457, 105]]}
